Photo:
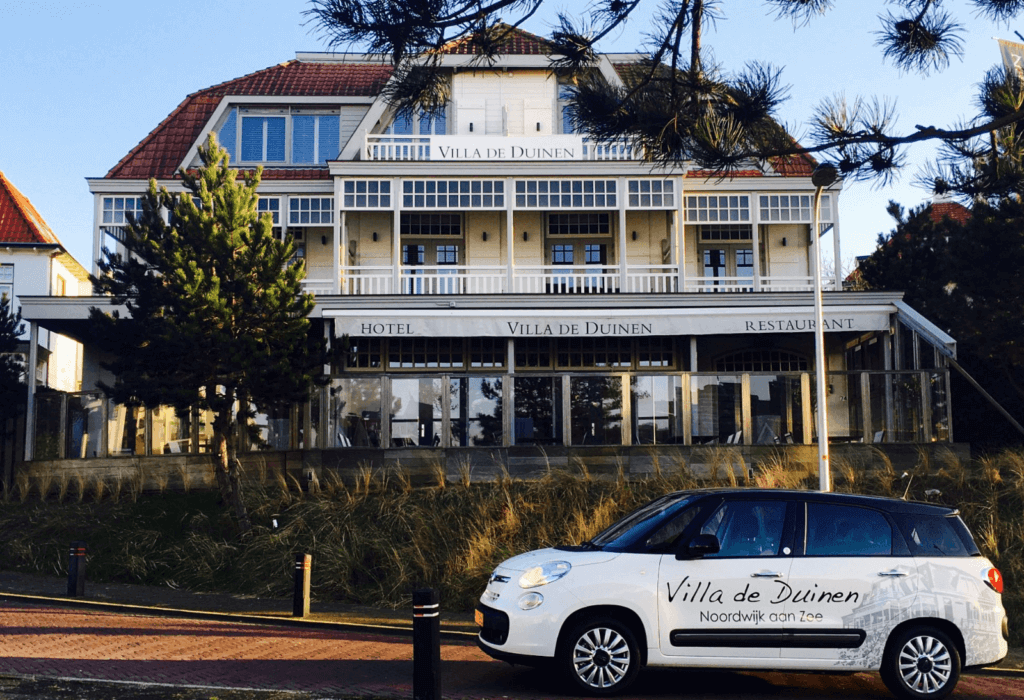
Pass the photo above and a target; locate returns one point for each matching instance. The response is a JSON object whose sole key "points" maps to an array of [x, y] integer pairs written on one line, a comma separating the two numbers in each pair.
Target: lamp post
{"points": [[823, 176]]}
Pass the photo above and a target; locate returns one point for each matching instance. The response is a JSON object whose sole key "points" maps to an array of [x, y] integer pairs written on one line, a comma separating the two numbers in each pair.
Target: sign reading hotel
{"points": [[640, 325], [514, 148]]}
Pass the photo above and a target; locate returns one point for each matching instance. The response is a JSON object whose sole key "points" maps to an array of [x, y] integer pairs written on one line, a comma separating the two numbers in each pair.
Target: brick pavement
{"points": [[49, 641]]}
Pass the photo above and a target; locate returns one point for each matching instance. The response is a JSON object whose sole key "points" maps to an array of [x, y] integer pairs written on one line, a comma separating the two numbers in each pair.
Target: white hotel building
{"points": [[512, 290]]}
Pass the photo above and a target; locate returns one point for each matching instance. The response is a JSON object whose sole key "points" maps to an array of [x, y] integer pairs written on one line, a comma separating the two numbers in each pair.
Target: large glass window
{"points": [[171, 432], [747, 528], [84, 426], [595, 407], [476, 411], [354, 413], [776, 409], [846, 531], [538, 410], [416, 412], [716, 404], [315, 138], [47, 433], [656, 402], [274, 429], [263, 139], [126, 430], [7, 279]]}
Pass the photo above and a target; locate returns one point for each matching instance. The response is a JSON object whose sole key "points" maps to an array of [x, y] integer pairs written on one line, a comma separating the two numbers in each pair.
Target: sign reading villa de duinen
{"points": [[506, 148]]}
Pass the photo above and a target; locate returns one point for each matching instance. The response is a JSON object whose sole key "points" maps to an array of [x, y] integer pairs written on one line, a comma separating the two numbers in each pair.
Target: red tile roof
{"points": [[956, 212], [515, 43], [19, 220], [162, 151]]}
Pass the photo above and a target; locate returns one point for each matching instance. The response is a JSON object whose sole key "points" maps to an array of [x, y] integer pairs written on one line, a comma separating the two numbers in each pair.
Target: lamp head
{"points": [[824, 175]]}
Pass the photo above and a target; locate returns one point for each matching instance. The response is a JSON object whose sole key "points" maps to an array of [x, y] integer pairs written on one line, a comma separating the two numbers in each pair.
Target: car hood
{"points": [[526, 561]]}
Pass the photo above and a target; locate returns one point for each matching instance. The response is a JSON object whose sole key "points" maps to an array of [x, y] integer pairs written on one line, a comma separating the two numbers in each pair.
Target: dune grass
{"points": [[375, 538]]}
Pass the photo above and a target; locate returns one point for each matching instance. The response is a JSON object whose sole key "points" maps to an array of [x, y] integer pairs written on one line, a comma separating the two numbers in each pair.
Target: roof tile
{"points": [[19, 220]]}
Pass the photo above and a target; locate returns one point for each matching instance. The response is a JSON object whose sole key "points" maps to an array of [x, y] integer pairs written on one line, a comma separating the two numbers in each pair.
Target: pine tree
{"points": [[12, 365], [216, 315], [679, 106]]}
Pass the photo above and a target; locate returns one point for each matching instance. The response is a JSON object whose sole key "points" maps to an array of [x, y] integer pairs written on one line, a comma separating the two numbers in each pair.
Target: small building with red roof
{"points": [[34, 262], [506, 282]]}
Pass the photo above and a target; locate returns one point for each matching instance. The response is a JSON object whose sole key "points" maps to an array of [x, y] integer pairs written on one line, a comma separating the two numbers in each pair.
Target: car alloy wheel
{"points": [[601, 656], [922, 663]]}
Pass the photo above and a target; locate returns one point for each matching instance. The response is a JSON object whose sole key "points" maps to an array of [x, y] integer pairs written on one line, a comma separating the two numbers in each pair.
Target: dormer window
{"points": [[287, 136], [421, 123]]}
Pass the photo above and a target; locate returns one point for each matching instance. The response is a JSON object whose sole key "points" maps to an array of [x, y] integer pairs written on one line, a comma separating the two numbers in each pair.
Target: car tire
{"points": [[599, 656], [921, 662]]}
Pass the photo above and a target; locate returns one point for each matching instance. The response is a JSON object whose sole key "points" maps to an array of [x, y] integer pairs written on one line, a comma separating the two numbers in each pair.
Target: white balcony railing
{"points": [[394, 147], [544, 279]]}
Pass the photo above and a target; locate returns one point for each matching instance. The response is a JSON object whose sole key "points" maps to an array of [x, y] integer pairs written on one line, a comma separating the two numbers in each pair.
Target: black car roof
{"points": [[891, 505]]}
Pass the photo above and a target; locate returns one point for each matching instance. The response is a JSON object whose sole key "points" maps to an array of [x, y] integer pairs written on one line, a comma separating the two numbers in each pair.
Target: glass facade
{"points": [[541, 407]]}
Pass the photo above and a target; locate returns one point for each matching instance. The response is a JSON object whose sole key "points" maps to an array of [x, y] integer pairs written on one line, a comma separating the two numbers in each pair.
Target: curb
{"points": [[271, 620]]}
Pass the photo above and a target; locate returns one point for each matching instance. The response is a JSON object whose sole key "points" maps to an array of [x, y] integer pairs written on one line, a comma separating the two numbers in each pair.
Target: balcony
{"points": [[370, 280], [390, 147]]}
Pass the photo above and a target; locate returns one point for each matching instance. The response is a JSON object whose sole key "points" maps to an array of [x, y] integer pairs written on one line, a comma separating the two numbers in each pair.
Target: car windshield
{"points": [[624, 532]]}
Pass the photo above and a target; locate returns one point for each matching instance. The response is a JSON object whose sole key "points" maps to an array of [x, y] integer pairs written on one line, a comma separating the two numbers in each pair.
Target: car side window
{"points": [[747, 528], [846, 531], [931, 536], [666, 536]]}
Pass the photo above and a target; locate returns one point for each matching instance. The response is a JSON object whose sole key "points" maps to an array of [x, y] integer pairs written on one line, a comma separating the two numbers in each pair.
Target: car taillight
{"points": [[994, 579]]}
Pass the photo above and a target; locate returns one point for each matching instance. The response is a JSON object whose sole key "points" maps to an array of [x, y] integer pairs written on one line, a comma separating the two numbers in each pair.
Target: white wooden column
{"points": [[396, 239], [30, 412], [623, 280], [510, 236], [681, 236], [834, 197], [755, 237], [339, 232]]}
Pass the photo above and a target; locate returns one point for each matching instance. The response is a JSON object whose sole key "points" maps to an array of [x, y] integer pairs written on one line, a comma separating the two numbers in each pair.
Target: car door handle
{"points": [[766, 574], [895, 573]]}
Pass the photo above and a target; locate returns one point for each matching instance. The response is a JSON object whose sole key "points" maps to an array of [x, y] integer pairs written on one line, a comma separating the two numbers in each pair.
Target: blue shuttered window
{"points": [[263, 139], [227, 137]]}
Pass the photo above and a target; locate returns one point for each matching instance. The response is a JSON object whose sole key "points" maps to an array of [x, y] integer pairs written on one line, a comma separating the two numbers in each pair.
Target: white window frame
{"points": [[243, 112], [7, 281], [326, 213], [706, 208]]}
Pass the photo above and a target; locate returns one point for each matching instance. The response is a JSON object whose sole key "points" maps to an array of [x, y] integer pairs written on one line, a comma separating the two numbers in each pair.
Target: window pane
{"points": [[228, 135], [303, 138], [747, 528], [329, 146], [354, 418], [476, 411], [845, 531], [415, 412], [275, 138], [931, 536], [538, 410], [596, 410], [776, 409], [716, 409], [252, 138], [171, 431], [656, 415], [84, 425]]}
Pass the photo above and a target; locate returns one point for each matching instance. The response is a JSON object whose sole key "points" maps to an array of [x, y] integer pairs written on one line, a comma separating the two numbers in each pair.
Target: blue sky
{"points": [[83, 82]]}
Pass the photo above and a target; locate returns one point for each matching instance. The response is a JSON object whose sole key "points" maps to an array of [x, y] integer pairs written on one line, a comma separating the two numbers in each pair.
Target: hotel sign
{"points": [[474, 323], [512, 148]]}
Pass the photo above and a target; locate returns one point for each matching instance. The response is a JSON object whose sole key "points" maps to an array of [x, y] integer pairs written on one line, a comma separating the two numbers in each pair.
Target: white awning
{"points": [[597, 323]]}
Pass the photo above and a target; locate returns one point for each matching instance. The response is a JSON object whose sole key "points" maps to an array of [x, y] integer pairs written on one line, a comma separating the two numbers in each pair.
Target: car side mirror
{"points": [[700, 546]]}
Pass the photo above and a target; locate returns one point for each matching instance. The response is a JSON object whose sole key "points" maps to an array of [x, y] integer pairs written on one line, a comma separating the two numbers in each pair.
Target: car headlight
{"points": [[544, 574]]}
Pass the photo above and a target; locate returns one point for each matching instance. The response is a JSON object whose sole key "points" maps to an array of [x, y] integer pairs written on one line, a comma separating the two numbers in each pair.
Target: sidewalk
{"points": [[231, 642], [333, 615]]}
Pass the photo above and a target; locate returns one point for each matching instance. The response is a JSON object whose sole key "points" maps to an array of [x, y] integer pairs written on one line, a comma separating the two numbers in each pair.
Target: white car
{"points": [[756, 579]]}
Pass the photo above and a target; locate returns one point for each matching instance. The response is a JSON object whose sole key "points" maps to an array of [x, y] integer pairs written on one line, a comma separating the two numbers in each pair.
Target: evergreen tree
{"points": [[12, 365], [216, 315], [679, 106]]}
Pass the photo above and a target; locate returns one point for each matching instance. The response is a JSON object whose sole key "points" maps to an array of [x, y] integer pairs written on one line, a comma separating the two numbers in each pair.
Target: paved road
{"points": [[51, 642]]}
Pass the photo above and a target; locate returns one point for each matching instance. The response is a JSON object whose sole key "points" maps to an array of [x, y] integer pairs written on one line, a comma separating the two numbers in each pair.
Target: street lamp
{"points": [[823, 176]]}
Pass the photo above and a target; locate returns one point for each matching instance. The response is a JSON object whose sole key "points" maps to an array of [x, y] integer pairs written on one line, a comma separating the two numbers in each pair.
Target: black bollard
{"points": [[300, 602], [426, 645], [76, 570]]}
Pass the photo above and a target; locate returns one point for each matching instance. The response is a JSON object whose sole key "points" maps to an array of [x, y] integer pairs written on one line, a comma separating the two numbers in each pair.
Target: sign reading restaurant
{"points": [[423, 323], [515, 148]]}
